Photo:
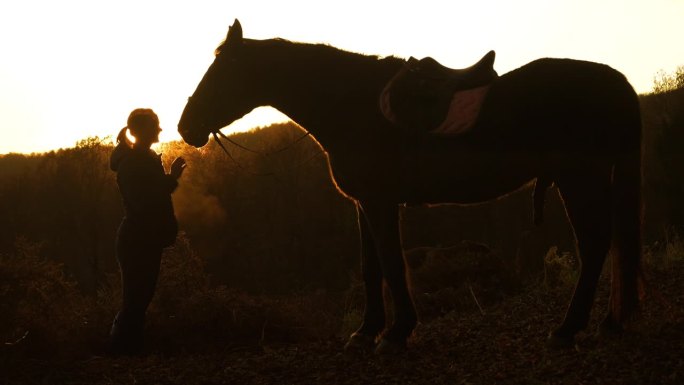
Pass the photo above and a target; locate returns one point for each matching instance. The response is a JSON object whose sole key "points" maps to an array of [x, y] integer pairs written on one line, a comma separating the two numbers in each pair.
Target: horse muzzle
{"points": [[197, 138]]}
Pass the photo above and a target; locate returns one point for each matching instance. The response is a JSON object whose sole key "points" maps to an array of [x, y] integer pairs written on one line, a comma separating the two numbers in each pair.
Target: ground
{"points": [[498, 341]]}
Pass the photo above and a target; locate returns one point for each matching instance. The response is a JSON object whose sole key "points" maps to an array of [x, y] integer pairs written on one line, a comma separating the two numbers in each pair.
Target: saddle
{"points": [[426, 96]]}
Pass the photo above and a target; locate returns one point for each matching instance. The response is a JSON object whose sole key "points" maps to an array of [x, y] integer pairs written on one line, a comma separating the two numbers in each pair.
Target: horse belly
{"points": [[467, 177]]}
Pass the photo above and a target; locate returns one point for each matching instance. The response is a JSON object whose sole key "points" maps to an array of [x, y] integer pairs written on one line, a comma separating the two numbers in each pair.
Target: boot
{"points": [[126, 336]]}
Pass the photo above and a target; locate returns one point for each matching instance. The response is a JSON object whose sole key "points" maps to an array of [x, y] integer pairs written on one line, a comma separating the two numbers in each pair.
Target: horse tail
{"points": [[627, 281]]}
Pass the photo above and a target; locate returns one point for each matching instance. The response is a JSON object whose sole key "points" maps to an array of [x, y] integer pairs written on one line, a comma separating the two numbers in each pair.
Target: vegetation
{"points": [[665, 82], [663, 116], [263, 284]]}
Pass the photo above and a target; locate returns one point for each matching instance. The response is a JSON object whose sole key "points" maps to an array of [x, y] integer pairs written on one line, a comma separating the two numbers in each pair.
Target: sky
{"points": [[73, 69]]}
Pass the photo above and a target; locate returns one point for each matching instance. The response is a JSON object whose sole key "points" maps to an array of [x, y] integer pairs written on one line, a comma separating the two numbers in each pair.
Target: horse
{"points": [[572, 123]]}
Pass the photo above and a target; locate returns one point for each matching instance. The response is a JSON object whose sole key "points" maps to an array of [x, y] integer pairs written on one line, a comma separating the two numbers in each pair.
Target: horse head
{"points": [[227, 92]]}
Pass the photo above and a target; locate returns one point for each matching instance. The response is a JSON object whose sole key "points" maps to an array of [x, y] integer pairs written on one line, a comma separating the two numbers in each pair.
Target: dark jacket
{"points": [[146, 191]]}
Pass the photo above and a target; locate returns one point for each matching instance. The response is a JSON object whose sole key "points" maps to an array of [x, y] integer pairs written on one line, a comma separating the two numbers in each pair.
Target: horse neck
{"points": [[333, 94]]}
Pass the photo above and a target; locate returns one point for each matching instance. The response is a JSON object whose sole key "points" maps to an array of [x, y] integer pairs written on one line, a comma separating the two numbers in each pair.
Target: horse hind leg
{"points": [[588, 206], [626, 275]]}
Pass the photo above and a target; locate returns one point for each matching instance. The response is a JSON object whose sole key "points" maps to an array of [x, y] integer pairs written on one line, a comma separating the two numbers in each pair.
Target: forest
{"points": [[263, 284]]}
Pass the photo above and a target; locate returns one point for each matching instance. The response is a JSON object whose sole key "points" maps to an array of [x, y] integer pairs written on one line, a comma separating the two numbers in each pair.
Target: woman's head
{"points": [[144, 125]]}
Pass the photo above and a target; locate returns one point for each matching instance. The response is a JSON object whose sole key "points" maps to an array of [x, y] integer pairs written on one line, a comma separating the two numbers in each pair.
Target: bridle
{"points": [[217, 132]]}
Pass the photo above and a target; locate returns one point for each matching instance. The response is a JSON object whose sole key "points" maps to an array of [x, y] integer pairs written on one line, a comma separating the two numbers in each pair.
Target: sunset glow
{"points": [[74, 69]]}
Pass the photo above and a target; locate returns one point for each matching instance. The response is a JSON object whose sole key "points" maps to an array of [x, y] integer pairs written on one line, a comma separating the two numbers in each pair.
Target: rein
{"points": [[262, 153], [216, 138]]}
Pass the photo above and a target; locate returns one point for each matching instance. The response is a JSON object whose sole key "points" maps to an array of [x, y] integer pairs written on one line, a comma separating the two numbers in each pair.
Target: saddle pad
{"points": [[463, 112]]}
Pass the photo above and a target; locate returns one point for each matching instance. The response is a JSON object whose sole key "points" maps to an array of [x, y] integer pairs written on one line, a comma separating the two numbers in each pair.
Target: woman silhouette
{"points": [[149, 224]]}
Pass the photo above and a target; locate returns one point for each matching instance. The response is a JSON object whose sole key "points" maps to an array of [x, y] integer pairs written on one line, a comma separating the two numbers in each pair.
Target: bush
{"points": [[44, 315], [42, 311]]}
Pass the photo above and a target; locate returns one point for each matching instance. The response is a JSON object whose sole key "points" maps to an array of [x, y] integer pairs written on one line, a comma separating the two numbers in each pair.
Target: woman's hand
{"points": [[177, 167]]}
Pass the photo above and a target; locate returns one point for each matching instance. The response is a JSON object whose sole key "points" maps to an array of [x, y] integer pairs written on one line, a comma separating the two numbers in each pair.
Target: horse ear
{"points": [[412, 63], [234, 34]]}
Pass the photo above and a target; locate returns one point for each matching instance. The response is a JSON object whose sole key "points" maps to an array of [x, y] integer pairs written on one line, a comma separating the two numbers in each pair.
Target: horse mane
{"points": [[313, 49]]}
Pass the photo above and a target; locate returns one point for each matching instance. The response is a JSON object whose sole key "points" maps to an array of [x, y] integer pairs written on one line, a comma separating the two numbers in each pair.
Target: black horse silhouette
{"points": [[574, 123]]}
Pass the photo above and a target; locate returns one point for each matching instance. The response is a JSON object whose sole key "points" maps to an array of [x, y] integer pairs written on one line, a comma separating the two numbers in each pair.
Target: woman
{"points": [[148, 227]]}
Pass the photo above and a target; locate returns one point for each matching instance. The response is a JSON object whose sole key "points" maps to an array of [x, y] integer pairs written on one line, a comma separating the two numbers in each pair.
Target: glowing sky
{"points": [[71, 69]]}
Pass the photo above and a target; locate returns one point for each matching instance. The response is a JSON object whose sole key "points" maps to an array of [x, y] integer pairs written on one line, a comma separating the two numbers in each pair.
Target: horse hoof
{"points": [[387, 347], [360, 343], [555, 341]]}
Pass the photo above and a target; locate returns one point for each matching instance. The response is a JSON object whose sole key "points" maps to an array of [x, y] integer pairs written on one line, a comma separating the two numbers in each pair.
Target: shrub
{"points": [[42, 311]]}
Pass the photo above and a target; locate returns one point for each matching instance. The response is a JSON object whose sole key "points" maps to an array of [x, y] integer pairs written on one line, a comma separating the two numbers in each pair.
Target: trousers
{"points": [[139, 261]]}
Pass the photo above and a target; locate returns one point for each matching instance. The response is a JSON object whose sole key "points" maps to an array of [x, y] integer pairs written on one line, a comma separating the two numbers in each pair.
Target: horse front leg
{"points": [[383, 224], [374, 311]]}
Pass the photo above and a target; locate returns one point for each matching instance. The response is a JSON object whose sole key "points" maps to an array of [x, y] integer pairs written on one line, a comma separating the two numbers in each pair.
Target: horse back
{"points": [[560, 104]]}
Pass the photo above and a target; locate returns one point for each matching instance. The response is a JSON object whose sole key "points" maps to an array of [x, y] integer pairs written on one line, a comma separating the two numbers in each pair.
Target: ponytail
{"points": [[122, 138]]}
